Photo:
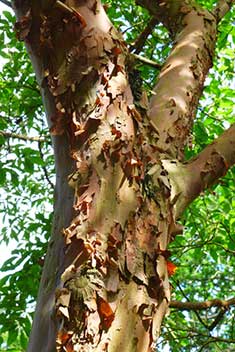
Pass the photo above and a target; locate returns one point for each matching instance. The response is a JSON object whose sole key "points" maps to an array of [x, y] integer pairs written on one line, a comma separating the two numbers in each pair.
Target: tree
{"points": [[123, 178]]}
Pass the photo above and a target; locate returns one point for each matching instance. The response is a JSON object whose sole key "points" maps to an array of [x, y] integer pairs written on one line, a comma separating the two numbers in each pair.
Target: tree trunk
{"points": [[118, 192]]}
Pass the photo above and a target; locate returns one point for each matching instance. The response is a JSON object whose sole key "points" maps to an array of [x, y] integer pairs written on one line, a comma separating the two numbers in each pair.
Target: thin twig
{"points": [[140, 41], [147, 61], [218, 319], [7, 3], [64, 7], [44, 168], [188, 301], [71, 11], [21, 136], [214, 339]]}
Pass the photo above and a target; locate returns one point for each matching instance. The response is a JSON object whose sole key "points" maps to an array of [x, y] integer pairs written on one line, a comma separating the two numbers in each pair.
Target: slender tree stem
{"points": [[202, 305], [43, 167], [147, 61], [21, 136], [6, 2], [140, 41]]}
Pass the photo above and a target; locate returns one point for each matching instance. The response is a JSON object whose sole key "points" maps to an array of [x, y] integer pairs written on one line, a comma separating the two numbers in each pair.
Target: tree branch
{"points": [[64, 7], [21, 136], [147, 61], [7, 3], [222, 7], [202, 305], [43, 167], [163, 11], [211, 164], [214, 339], [140, 41], [188, 180], [173, 108], [218, 319], [196, 312]]}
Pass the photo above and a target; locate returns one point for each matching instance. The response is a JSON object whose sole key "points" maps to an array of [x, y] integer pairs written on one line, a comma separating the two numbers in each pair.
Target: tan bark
{"points": [[221, 8], [173, 107], [105, 284], [21, 136], [188, 180], [203, 305]]}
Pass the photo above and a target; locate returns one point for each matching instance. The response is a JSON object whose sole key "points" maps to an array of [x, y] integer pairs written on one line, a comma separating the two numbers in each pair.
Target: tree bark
{"points": [[203, 305], [105, 282]]}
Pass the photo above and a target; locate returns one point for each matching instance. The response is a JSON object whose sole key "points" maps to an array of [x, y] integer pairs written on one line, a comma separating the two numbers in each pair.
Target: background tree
{"points": [[114, 157]]}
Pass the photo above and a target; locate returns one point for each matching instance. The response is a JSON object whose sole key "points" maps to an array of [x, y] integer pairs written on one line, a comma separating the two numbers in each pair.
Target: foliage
{"points": [[205, 252], [26, 196]]}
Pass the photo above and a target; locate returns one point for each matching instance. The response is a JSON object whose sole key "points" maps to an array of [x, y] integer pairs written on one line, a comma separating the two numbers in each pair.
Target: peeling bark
{"points": [[189, 180], [173, 107], [222, 7], [105, 284]]}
